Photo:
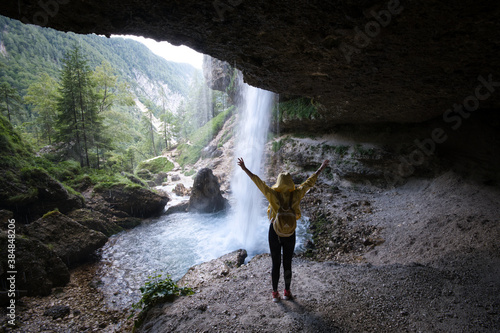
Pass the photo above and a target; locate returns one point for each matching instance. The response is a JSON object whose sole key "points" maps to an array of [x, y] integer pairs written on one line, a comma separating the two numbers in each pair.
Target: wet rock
{"points": [[176, 177], [206, 196], [135, 201], [181, 190], [57, 311], [180, 208], [160, 178], [128, 222], [211, 152], [217, 73], [38, 268], [71, 241], [95, 220], [214, 269], [5, 216]]}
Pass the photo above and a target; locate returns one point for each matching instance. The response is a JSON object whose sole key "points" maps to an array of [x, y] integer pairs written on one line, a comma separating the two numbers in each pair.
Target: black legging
{"points": [[275, 244]]}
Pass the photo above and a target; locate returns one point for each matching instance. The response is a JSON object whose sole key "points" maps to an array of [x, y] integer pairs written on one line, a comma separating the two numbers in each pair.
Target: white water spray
{"points": [[249, 216]]}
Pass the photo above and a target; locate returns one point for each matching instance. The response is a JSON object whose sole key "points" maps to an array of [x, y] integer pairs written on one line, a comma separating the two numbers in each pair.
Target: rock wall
{"points": [[363, 61]]}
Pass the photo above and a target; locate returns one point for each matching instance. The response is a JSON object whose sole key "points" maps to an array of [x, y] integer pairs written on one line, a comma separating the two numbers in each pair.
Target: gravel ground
{"points": [[332, 297]]}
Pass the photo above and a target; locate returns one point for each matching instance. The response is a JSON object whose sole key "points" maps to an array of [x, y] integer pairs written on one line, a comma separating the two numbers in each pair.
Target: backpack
{"points": [[285, 221]]}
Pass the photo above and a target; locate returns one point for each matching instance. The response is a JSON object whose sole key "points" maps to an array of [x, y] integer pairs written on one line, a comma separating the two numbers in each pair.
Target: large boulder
{"points": [[70, 241], [134, 200], [206, 196], [32, 192], [38, 268], [95, 220]]}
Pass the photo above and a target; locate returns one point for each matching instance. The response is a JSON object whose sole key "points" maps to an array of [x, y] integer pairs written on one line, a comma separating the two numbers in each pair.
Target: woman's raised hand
{"points": [[323, 165], [241, 163]]}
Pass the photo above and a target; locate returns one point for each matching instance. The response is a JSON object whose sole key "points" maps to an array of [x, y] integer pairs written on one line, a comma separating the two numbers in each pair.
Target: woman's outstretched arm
{"points": [[323, 165], [241, 163]]}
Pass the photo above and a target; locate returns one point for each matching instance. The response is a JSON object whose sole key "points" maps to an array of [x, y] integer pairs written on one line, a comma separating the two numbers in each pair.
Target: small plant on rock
{"points": [[156, 290]]}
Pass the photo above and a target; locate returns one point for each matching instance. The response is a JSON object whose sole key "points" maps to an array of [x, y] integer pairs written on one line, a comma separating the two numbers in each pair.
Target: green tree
{"points": [[10, 100], [167, 119], [148, 125], [78, 119], [43, 95]]}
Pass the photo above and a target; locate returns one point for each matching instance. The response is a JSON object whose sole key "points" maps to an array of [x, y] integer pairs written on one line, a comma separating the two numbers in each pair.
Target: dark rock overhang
{"points": [[363, 61]]}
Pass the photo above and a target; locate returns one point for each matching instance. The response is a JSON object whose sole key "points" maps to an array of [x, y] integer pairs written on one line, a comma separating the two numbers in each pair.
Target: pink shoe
{"points": [[287, 294], [276, 297]]}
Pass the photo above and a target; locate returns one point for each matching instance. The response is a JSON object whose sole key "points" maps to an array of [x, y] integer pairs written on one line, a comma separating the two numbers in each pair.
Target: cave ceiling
{"points": [[361, 61]]}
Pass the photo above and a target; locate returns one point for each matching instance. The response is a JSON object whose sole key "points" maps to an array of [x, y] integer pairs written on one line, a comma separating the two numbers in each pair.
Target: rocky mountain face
{"points": [[363, 61]]}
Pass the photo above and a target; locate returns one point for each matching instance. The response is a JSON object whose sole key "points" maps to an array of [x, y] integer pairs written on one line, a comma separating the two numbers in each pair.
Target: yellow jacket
{"points": [[285, 186]]}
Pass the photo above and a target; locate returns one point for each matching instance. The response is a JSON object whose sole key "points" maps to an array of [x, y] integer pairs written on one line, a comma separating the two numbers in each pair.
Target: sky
{"points": [[170, 52]]}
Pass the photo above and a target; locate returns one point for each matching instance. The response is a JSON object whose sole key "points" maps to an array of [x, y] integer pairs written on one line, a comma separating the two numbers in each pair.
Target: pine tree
{"points": [[10, 100], [149, 126], [77, 108]]}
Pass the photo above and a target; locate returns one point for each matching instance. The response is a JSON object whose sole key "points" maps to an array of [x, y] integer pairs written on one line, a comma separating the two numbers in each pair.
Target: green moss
{"points": [[51, 213], [226, 136], [103, 179], [277, 145], [23, 198], [359, 150], [299, 108], [341, 150], [125, 184], [156, 165]]}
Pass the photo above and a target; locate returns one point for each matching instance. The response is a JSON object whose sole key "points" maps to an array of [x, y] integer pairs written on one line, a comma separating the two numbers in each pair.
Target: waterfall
{"points": [[249, 216]]}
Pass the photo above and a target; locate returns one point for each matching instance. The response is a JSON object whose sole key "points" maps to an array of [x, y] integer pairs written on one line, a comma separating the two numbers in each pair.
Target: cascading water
{"points": [[249, 217]]}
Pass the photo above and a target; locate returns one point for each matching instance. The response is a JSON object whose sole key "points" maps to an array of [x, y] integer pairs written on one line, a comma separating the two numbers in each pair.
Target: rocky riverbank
{"points": [[392, 261]]}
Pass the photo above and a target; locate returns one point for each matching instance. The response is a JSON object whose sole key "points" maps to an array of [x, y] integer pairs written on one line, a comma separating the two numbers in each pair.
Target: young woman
{"points": [[286, 192]]}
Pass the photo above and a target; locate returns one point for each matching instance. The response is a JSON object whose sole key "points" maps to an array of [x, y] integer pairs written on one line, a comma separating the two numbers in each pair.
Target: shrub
{"points": [[157, 290]]}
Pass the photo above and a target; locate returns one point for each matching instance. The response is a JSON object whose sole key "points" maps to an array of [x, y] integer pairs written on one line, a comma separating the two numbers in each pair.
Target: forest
{"points": [[104, 104]]}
